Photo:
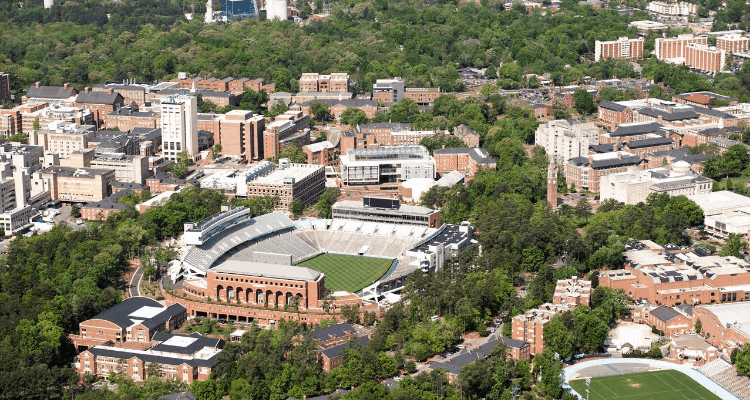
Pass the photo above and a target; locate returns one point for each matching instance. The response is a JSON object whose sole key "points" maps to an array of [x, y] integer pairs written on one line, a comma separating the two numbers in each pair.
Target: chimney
{"points": [[110, 91], [36, 85], [65, 86], [614, 146], [86, 89], [619, 156]]}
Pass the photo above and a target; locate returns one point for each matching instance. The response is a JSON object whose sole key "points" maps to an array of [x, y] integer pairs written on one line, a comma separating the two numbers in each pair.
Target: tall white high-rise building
{"points": [[276, 10], [564, 139], [209, 17], [179, 126]]}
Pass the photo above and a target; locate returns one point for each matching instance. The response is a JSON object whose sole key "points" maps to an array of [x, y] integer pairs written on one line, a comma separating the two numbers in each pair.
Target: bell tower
{"points": [[552, 185]]}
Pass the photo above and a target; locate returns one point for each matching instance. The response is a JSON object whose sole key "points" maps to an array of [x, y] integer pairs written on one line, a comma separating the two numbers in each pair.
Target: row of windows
{"points": [[222, 278]]}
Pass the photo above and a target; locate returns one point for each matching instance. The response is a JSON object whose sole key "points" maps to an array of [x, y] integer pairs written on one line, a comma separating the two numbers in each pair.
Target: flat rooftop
{"points": [[737, 314], [717, 202], [296, 171], [403, 208], [270, 271]]}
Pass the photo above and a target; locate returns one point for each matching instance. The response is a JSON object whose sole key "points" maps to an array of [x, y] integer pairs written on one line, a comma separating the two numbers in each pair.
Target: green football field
{"points": [[349, 273], [660, 385]]}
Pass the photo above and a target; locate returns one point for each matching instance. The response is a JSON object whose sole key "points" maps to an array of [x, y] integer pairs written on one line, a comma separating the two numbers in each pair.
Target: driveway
{"points": [[135, 283]]}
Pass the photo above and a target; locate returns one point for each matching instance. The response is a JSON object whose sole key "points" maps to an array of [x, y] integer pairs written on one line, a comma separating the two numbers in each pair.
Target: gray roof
{"points": [[665, 313], [686, 308], [713, 113], [334, 331], [660, 141], [395, 126], [335, 351], [615, 162], [99, 97], [668, 116], [120, 313], [271, 271], [514, 343], [636, 129], [191, 348], [128, 185], [345, 102], [478, 154], [150, 358], [609, 105], [709, 94], [50, 92], [605, 148], [681, 154]]}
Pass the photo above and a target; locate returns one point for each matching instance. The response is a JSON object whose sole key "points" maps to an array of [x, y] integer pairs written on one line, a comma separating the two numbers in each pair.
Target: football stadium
{"points": [[645, 379]]}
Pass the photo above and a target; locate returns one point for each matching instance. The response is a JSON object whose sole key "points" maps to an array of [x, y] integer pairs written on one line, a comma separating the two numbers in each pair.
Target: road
{"points": [[135, 283]]}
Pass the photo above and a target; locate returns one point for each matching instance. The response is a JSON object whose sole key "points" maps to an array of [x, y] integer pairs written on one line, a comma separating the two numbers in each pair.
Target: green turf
{"points": [[660, 385], [349, 273]]}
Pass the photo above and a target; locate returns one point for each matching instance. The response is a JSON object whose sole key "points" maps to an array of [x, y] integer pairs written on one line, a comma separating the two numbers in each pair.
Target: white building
{"points": [[276, 10], [386, 165], [565, 139], [634, 186], [179, 126], [724, 212]]}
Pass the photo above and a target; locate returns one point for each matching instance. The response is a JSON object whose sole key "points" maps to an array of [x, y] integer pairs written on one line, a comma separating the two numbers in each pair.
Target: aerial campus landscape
{"points": [[374, 199]]}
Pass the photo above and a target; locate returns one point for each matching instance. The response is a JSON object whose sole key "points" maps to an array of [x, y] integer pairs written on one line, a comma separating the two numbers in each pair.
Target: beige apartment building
{"points": [[291, 181], [63, 139], [674, 47], [313, 82], [621, 48], [705, 58], [733, 43], [84, 185]]}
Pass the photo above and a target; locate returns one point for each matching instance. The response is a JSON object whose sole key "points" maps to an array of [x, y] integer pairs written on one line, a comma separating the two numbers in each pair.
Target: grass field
{"points": [[349, 273], [661, 385]]}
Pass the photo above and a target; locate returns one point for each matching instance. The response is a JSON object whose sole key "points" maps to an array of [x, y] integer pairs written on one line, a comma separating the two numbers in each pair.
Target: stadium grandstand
{"points": [[233, 235]]}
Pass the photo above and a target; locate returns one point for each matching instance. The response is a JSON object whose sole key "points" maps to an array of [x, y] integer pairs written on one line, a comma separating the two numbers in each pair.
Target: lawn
{"points": [[661, 385], [349, 273]]}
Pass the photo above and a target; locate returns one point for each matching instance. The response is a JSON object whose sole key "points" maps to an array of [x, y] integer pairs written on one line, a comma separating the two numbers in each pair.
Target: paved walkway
{"points": [[703, 380], [135, 283]]}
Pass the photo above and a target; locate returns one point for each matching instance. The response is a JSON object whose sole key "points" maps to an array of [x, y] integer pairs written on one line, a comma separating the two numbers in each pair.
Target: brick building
{"points": [[693, 350], [674, 47], [705, 58], [467, 160], [670, 320], [529, 326], [59, 95], [586, 172], [291, 181], [240, 134], [631, 131], [287, 128], [314, 82], [469, 136], [99, 102], [128, 118], [620, 48], [321, 153], [422, 96], [337, 107], [669, 279], [132, 324], [132, 94], [733, 43], [572, 291], [181, 357]]}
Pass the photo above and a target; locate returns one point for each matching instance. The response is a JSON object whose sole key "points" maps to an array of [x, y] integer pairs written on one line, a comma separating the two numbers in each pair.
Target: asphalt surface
{"points": [[135, 283]]}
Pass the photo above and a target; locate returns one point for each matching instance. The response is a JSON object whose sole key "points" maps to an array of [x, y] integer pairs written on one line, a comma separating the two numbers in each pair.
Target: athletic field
{"points": [[349, 273], [660, 385]]}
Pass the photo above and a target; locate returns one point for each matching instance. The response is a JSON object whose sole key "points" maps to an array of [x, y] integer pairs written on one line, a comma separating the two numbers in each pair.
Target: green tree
{"points": [[216, 151], [353, 116], [560, 110], [180, 167], [733, 245], [320, 111], [325, 203], [206, 390], [584, 102], [36, 123], [406, 110], [742, 360], [277, 109], [698, 326], [558, 337], [19, 137], [296, 207]]}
